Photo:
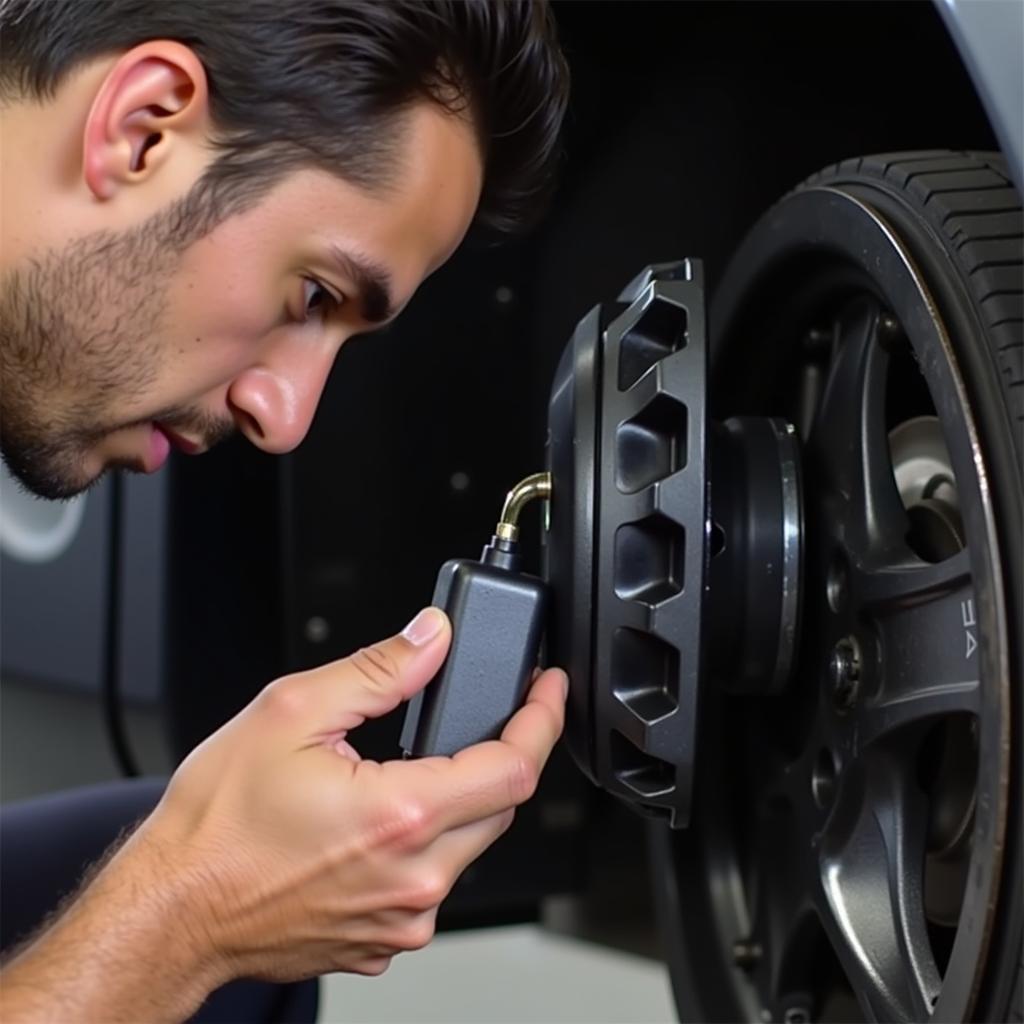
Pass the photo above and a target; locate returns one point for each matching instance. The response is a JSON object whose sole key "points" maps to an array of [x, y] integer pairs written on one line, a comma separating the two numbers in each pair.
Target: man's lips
{"points": [[158, 450], [183, 444]]}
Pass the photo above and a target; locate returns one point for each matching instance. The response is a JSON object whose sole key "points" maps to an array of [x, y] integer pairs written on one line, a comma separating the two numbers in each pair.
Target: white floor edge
{"points": [[510, 975]]}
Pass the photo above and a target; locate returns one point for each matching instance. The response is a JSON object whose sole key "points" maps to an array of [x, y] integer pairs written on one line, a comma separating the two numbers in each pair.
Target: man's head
{"points": [[202, 201]]}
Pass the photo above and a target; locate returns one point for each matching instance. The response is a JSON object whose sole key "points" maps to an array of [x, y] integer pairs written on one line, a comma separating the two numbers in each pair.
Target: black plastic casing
{"points": [[497, 617]]}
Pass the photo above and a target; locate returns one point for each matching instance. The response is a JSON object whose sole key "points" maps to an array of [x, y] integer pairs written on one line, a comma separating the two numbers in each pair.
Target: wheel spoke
{"points": [[928, 665], [870, 895], [884, 719], [895, 587], [850, 440]]}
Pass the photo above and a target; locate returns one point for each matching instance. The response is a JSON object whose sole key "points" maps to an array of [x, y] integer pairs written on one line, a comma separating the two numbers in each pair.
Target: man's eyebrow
{"points": [[372, 280]]}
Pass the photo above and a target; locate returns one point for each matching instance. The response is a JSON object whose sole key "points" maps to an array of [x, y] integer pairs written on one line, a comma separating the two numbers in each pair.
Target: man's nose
{"points": [[274, 402]]}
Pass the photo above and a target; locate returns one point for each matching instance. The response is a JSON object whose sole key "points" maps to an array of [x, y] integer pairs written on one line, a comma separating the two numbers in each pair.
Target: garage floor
{"points": [[512, 974], [51, 740]]}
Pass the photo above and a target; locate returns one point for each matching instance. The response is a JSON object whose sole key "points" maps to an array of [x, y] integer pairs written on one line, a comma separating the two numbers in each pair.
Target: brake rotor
{"points": [[675, 543]]}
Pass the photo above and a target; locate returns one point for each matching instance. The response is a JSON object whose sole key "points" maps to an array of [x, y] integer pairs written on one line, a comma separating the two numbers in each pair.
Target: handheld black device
{"points": [[497, 614]]}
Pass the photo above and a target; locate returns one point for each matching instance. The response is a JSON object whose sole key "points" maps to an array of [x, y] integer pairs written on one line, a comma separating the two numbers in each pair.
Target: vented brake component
{"points": [[674, 547]]}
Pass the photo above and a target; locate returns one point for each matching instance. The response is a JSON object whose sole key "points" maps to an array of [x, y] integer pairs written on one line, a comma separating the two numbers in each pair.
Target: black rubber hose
{"points": [[113, 705]]}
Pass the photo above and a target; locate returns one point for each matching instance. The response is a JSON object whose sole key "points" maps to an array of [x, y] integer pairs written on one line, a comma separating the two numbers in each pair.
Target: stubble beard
{"points": [[77, 330]]}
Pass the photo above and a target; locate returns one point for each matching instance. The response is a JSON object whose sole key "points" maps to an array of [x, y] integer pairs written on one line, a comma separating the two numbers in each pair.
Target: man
{"points": [[201, 202]]}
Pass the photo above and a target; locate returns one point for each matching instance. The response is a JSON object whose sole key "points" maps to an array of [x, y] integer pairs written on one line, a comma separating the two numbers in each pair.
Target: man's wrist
{"points": [[164, 920], [133, 945]]}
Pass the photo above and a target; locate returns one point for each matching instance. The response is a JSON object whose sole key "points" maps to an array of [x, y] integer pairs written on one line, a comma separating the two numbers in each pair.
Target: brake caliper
{"points": [[674, 545]]}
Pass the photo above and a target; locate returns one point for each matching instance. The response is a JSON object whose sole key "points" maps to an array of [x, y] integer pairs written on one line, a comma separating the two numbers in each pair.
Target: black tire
{"points": [[957, 219]]}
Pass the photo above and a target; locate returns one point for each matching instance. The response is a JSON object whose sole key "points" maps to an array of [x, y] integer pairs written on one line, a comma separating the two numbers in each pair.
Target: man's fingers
{"points": [[536, 726], [367, 684], [488, 778], [456, 849]]}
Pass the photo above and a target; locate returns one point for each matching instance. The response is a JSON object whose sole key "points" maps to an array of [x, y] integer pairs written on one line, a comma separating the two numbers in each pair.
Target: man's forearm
{"points": [[124, 950]]}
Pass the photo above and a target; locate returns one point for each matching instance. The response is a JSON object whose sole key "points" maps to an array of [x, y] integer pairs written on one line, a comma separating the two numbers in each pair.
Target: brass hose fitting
{"points": [[536, 486]]}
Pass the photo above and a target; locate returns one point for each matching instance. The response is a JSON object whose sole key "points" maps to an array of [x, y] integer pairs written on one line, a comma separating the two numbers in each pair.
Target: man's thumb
{"points": [[376, 679]]}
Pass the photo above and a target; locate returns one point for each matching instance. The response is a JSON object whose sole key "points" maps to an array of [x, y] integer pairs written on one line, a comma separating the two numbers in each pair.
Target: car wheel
{"points": [[854, 849]]}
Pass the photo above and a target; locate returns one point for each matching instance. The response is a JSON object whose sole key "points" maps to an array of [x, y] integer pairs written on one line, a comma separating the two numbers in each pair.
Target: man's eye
{"points": [[316, 299]]}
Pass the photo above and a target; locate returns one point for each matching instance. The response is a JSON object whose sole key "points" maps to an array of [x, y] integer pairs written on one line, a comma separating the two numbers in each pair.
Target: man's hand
{"points": [[313, 860], [277, 852]]}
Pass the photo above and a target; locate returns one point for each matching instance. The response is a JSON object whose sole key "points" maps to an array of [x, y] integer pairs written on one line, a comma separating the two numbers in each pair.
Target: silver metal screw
{"points": [[844, 673]]}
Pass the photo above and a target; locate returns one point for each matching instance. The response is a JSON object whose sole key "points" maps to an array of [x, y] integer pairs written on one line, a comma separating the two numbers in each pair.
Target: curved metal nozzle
{"points": [[536, 486]]}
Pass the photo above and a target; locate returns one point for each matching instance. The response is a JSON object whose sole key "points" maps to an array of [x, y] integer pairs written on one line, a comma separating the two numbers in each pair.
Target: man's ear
{"points": [[152, 101]]}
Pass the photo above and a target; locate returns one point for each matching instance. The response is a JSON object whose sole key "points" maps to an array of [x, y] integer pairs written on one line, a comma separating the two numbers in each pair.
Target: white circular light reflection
{"points": [[34, 530]]}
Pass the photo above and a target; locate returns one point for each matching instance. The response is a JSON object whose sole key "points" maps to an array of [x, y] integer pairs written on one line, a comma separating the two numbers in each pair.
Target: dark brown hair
{"points": [[325, 83]]}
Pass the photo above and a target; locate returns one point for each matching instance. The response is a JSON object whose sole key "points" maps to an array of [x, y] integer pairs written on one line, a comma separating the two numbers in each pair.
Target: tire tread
{"points": [[975, 189]]}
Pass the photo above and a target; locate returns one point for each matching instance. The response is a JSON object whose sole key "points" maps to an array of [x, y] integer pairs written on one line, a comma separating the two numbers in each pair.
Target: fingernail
{"points": [[424, 627], [565, 687]]}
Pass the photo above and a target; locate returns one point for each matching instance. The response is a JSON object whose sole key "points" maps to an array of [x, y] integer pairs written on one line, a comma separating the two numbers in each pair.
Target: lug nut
{"points": [[844, 673]]}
